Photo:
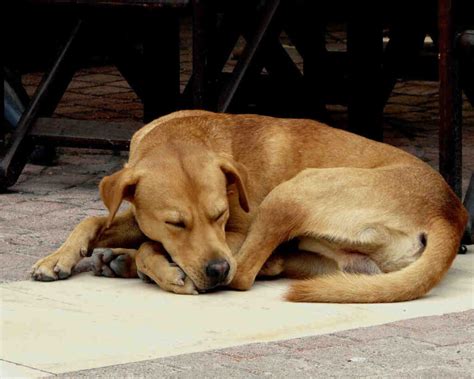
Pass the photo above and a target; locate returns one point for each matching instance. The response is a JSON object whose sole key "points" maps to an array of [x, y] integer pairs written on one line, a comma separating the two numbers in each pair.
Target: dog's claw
{"points": [[187, 288], [61, 273], [180, 278]]}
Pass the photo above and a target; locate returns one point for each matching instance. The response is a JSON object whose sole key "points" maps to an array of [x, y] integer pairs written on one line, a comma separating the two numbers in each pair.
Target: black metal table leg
{"points": [[127, 57], [365, 49], [450, 101], [44, 101], [208, 64], [204, 28], [305, 24], [161, 59]]}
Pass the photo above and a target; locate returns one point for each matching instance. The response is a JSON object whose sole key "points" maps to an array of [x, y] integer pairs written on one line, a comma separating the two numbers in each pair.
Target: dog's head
{"points": [[182, 201]]}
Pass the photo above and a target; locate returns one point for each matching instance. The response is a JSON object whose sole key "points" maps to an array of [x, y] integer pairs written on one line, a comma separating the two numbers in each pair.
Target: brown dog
{"points": [[382, 222]]}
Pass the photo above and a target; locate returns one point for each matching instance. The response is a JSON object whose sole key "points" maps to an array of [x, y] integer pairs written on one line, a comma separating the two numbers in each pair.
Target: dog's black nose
{"points": [[217, 270]]}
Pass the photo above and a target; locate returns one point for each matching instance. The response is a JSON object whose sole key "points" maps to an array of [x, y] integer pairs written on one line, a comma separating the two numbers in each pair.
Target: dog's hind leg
{"points": [[345, 260], [357, 213], [304, 264], [298, 264]]}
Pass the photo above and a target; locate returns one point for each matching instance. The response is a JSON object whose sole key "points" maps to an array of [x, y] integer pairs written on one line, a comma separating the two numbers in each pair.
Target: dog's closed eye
{"points": [[220, 215], [176, 224]]}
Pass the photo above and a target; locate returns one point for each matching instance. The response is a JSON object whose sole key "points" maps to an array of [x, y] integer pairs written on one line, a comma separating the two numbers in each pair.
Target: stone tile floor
{"points": [[47, 202]]}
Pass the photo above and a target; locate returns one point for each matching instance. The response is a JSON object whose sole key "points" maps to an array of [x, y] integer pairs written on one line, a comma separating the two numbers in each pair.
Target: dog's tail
{"points": [[411, 282]]}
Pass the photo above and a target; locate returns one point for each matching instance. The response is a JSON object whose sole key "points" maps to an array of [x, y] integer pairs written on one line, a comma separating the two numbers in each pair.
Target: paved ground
{"points": [[404, 349], [89, 322], [47, 202]]}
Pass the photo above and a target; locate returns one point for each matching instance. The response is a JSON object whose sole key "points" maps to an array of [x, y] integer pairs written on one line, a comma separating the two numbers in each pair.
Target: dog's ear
{"points": [[117, 187], [236, 173]]}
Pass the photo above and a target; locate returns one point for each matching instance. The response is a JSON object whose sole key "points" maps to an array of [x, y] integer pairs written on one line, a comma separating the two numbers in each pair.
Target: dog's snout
{"points": [[217, 270]]}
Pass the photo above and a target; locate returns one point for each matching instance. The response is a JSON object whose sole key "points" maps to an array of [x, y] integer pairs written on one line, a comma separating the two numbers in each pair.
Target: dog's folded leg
{"points": [[152, 262], [276, 222], [90, 233]]}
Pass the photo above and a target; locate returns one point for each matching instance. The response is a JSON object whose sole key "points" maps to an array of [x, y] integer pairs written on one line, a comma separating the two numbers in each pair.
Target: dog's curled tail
{"points": [[409, 283]]}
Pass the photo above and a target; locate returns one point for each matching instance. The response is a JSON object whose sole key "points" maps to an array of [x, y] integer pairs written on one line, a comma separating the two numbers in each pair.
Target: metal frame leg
{"points": [[450, 101], [248, 55], [204, 24], [305, 25], [44, 101], [365, 50], [161, 87]]}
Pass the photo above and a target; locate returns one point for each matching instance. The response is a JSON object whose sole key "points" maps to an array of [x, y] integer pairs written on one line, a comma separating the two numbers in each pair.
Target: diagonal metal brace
{"points": [[48, 94], [247, 56]]}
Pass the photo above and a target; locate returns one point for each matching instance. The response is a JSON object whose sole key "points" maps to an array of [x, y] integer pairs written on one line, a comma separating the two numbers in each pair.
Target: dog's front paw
{"points": [[175, 280], [241, 283], [53, 267], [170, 278], [183, 286]]}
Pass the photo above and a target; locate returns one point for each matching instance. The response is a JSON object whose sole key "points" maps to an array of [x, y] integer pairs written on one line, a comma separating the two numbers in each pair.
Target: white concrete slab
{"points": [[11, 370], [87, 322]]}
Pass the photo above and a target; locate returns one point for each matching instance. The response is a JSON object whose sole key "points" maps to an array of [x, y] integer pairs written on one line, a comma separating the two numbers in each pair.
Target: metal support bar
{"points": [[161, 65], [271, 54], [44, 101], [130, 64], [305, 25], [204, 23], [365, 50], [247, 57], [450, 101], [206, 69]]}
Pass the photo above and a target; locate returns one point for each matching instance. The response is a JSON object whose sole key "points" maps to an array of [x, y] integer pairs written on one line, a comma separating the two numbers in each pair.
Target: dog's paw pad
{"points": [[100, 262], [107, 263], [105, 255], [121, 266]]}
